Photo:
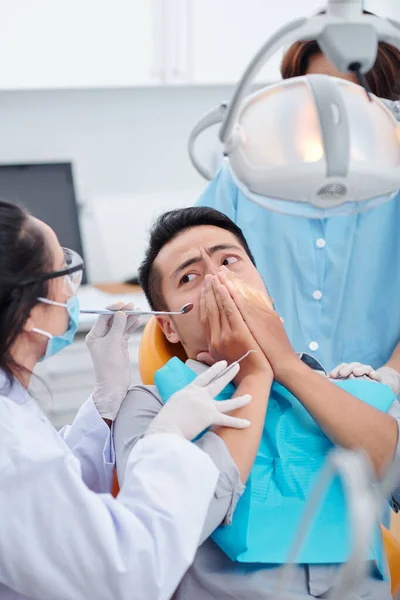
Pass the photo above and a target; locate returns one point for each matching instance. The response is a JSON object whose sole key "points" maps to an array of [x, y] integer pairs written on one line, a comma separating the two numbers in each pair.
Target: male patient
{"points": [[199, 255]]}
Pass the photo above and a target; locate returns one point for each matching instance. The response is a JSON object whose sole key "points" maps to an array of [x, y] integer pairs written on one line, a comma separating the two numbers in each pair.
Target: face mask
{"points": [[57, 343]]}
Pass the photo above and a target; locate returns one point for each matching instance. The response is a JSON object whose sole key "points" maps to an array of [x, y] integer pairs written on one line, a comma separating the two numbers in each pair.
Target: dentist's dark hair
{"points": [[383, 79], [167, 227], [23, 256]]}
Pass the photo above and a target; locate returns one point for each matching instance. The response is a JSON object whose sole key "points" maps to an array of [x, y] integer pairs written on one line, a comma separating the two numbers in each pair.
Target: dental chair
{"points": [[155, 351]]}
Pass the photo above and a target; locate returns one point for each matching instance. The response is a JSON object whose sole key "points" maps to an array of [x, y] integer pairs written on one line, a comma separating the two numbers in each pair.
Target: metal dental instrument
{"points": [[229, 367], [104, 311]]}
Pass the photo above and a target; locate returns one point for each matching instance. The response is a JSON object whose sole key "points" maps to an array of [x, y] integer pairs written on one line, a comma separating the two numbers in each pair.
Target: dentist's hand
{"points": [[193, 409], [107, 342], [385, 375], [354, 370]]}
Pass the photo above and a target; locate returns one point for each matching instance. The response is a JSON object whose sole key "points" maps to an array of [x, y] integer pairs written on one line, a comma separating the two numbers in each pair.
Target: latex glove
{"points": [[193, 409], [385, 375], [354, 370], [107, 342], [391, 378]]}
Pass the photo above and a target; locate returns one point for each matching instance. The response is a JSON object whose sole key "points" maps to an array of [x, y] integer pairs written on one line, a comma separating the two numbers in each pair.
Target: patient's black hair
{"points": [[168, 226]]}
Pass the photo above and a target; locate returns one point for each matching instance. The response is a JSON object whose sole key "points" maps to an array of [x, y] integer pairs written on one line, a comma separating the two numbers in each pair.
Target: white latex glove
{"points": [[354, 370], [108, 346], [385, 375], [193, 409]]}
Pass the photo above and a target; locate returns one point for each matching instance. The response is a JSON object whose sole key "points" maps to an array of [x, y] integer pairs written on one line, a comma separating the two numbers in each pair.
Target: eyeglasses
{"points": [[72, 273]]}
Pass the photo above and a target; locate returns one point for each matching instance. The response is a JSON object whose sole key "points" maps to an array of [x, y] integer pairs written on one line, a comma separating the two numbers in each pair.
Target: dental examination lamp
{"points": [[314, 145]]}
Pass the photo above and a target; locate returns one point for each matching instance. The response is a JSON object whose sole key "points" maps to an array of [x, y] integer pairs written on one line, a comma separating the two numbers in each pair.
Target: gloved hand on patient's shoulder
{"points": [[354, 370]]}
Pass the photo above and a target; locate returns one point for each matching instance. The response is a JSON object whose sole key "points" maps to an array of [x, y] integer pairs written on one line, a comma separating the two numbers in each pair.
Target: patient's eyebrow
{"points": [[185, 264], [197, 259]]}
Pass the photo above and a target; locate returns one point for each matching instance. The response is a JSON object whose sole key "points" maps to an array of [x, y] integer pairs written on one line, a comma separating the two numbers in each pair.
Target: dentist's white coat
{"points": [[63, 536]]}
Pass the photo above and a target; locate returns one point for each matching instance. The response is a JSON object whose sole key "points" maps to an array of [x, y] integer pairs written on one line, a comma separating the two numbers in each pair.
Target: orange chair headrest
{"points": [[155, 350]]}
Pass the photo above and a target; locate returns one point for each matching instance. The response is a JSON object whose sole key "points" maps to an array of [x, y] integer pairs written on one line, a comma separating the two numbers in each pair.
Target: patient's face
{"points": [[183, 263]]}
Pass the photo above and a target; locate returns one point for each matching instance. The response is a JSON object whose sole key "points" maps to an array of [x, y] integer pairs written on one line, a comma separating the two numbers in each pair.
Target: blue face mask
{"points": [[57, 343]]}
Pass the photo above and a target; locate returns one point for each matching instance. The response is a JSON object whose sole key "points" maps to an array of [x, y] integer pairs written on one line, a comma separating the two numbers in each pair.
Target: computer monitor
{"points": [[47, 191]]}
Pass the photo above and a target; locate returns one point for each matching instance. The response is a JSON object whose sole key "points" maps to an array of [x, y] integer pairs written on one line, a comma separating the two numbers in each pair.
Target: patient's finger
{"points": [[247, 291], [212, 310], [236, 295], [230, 309], [203, 312], [223, 316]]}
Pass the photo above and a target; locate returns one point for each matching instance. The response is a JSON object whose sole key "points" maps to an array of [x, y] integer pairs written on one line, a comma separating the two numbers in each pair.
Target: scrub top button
{"points": [[313, 346], [321, 243], [317, 295]]}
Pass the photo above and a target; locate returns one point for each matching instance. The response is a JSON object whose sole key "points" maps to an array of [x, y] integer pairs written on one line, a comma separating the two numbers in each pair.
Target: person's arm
{"points": [[60, 541], [140, 407], [243, 445], [394, 411], [346, 420], [229, 338], [90, 439]]}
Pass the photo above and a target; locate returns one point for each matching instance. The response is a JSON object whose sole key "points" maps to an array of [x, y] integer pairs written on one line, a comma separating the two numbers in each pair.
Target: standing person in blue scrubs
{"points": [[334, 280]]}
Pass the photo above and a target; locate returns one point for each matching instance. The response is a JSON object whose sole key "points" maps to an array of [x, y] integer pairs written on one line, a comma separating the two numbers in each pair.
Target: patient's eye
{"points": [[187, 278], [229, 260]]}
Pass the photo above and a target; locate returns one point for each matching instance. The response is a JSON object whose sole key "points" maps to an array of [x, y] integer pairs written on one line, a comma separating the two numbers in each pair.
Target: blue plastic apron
{"points": [[292, 452]]}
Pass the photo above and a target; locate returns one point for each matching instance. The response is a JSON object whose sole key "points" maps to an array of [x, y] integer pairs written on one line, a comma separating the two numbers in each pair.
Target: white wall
{"points": [[128, 149]]}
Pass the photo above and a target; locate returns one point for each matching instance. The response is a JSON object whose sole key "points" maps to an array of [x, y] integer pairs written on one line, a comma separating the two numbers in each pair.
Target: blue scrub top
{"points": [[336, 281]]}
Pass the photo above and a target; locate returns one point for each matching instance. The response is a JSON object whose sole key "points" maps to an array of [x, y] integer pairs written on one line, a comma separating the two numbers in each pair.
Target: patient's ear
{"points": [[168, 327]]}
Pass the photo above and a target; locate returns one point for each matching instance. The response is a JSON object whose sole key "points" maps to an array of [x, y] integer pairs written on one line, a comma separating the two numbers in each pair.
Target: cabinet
{"points": [[50, 44]]}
